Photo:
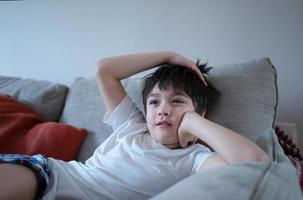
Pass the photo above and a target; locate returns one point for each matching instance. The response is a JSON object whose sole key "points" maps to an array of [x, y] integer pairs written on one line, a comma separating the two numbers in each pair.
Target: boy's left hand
{"points": [[185, 138], [177, 59]]}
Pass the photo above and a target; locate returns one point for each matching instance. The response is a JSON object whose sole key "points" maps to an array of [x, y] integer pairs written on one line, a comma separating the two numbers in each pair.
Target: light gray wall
{"points": [[59, 40]]}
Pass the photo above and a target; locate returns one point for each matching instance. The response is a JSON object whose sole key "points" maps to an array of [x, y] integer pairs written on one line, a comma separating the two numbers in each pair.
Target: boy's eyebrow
{"points": [[158, 94], [152, 95], [180, 93]]}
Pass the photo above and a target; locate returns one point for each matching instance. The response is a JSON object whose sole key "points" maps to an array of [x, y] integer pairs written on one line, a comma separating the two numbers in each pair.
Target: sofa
{"points": [[248, 103]]}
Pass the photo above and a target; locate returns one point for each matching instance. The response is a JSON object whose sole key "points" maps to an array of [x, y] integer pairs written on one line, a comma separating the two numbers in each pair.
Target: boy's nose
{"points": [[164, 111]]}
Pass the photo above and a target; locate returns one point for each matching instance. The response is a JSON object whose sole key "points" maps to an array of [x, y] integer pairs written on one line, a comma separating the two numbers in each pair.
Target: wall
{"points": [[59, 40]]}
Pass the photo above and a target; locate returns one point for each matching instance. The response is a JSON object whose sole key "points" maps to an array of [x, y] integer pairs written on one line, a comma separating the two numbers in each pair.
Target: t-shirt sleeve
{"points": [[126, 111], [200, 159]]}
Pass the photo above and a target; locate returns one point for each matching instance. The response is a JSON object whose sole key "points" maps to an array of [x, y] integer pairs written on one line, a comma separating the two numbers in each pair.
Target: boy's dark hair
{"points": [[183, 79]]}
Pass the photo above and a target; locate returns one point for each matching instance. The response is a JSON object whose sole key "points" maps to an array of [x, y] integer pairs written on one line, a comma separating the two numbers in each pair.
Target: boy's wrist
{"points": [[169, 56], [188, 120], [186, 130], [191, 120]]}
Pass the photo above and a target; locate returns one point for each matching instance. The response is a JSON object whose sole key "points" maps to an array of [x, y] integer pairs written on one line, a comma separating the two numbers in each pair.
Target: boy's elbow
{"points": [[263, 157], [101, 67], [260, 156], [257, 156]]}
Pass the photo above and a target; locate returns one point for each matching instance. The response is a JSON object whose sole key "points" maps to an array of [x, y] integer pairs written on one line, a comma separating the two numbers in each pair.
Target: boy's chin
{"points": [[166, 140], [173, 146]]}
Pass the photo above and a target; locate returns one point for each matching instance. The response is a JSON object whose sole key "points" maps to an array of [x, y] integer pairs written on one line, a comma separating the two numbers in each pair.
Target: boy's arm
{"points": [[230, 147], [112, 70]]}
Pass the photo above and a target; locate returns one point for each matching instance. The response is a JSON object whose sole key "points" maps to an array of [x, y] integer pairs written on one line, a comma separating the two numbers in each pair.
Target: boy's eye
{"points": [[178, 101], [153, 102]]}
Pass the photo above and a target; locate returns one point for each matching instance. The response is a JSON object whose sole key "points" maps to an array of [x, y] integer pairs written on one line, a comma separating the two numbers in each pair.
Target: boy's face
{"points": [[164, 113]]}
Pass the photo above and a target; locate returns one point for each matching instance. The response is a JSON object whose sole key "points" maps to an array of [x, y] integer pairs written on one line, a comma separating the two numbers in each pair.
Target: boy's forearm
{"points": [[121, 67], [112, 70], [231, 146]]}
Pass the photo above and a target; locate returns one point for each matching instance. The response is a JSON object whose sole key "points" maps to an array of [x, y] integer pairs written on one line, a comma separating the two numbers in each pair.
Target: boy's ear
{"points": [[203, 113]]}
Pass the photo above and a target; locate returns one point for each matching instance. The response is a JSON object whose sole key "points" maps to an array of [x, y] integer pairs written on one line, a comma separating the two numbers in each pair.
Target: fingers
{"points": [[196, 69], [188, 140], [201, 76], [183, 61]]}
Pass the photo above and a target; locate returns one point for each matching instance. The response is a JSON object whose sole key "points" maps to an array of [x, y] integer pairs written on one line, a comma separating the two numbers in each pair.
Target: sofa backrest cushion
{"points": [[44, 97], [247, 105], [84, 108]]}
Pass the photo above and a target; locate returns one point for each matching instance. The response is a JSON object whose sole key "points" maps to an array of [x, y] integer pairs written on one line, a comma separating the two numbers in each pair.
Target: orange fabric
{"points": [[23, 131]]}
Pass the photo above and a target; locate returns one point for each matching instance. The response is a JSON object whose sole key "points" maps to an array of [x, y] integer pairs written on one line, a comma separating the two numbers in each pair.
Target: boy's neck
{"points": [[173, 146]]}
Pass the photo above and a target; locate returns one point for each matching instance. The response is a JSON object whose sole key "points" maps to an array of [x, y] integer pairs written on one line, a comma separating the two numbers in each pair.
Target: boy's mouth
{"points": [[163, 124]]}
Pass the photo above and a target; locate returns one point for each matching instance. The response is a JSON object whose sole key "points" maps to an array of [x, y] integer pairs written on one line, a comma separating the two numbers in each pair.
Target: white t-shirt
{"points": [[128, 165]]}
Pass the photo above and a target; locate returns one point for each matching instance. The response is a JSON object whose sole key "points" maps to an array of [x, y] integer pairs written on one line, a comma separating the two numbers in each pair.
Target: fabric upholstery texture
{"points": [[249, 97], [247, 104], [44, 97], [251, 180], [84, 107], [273, 179], [23, 131]]}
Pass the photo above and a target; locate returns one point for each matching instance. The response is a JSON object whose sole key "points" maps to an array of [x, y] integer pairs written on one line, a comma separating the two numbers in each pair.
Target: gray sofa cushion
{"points": [[268, 141], [43, 97], [250, 180], [84, 108], [245, 180], [247, 105], [249, 96]]}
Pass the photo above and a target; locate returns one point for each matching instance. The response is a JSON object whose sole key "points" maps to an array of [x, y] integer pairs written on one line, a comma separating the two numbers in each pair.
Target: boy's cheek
{"points": [[149, 117]]}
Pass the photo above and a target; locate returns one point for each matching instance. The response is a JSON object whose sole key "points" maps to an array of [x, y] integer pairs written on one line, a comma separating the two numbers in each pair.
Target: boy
{"points": [[142, 157]]}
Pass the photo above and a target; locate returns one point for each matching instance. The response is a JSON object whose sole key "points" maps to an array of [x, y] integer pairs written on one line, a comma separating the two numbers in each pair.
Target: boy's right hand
{"points": [[177, 59], [184, 135]]}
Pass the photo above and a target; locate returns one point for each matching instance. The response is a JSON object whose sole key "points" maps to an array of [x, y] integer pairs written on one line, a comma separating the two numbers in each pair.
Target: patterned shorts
{"points": [[38, 163]]}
